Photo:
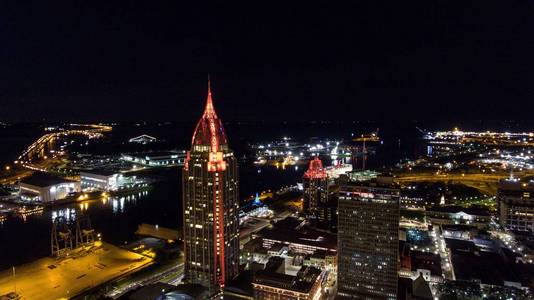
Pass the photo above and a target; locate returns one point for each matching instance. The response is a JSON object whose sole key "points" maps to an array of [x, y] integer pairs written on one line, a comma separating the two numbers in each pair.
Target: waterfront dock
{"points": [[82, 270]]}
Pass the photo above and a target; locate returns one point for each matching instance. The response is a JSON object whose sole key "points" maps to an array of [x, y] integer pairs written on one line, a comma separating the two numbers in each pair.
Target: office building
{"points": [[210, 205], [368, 239], [315, 187], [318, 206], [515, 202]]}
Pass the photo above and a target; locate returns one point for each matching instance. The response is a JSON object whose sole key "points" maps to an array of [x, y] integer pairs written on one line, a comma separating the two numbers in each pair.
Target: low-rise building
{"points": [[143, 139], [270, 284], [297, 236], [103, 180], [46, 188], [322, 260], [156, 159], [453, 214]]}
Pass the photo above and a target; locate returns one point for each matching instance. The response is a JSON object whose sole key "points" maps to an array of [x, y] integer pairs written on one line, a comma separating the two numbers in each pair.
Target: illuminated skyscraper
{"points": [[319, 207], [368, 239], [211, 205], [315, 187]]}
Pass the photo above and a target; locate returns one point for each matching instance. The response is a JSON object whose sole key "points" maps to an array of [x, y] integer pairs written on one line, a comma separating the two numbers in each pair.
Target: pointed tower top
{"points": [[209, 110], [209, 130]]}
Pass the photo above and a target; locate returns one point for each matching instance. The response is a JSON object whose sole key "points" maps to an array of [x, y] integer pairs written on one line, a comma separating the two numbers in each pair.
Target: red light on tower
{"points": [[315, 170]]}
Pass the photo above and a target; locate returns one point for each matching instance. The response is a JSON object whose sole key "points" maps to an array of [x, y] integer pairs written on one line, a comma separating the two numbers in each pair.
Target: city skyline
{"points": [[318, 151]]}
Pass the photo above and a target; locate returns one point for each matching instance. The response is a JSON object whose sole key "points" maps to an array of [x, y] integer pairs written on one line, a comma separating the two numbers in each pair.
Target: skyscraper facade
{"points": [[368, 240], [515, 204], [315, 188], [210, 204]]}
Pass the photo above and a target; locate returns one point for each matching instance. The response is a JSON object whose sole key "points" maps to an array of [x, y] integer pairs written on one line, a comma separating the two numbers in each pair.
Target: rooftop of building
{"points": [[156, 154], [100, 171], [152, 291], [488, 267], [371, 180], [460, 245], [291, 230], [421, 289], [277, 247], [454, 209], [511, 185], [274, 263], [142, 137], [426, 261], [320, 254], [302, 282], [161, 154], [44, 180], [240, 286], [458, 227], [187, 292]]}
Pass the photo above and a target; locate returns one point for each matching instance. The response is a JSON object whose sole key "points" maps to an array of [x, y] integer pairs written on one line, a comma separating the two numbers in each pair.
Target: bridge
{"points": [[38, 147]]}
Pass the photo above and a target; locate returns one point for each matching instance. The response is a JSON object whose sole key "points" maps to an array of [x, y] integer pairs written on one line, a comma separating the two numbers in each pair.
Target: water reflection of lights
{"points": [[118, 203], [68, 213], [24, 212], [84, 206], [117, 206]]}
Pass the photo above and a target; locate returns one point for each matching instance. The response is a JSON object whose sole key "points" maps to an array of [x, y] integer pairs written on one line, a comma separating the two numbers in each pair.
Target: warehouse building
{"points": [[45, 188]]}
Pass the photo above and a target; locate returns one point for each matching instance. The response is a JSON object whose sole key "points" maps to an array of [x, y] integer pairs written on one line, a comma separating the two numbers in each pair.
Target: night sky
{"points": [[373, 60]]}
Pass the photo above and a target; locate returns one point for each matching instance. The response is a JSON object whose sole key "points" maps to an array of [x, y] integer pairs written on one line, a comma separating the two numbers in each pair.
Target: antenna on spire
{"points": [[209, 84]]}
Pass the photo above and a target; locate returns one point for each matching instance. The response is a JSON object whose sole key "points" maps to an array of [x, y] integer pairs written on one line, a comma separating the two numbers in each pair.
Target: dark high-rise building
{"points": [[368, 239], [210, 203], [315, 188]]}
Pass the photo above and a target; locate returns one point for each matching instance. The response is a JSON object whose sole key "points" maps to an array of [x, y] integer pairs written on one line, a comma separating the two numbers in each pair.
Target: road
{"points": [[24, 167], [444, 253], [171, 274], [89, 130]]}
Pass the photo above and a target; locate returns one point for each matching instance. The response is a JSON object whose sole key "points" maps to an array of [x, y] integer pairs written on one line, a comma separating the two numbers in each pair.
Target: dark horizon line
{"points": [[259, 122]]}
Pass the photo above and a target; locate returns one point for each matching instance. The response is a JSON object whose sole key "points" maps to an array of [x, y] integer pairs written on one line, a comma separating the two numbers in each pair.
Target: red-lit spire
{"points": [[209, 130], [209, 110], [316, 170]]}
